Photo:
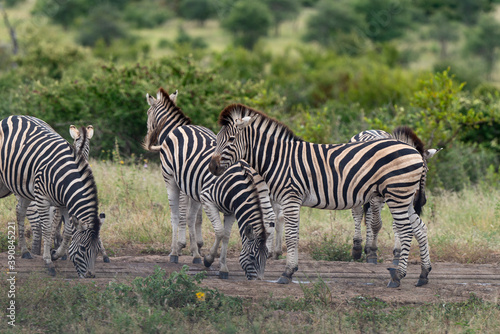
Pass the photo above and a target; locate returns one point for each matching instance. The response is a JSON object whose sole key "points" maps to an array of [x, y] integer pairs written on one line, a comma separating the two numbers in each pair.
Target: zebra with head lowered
{"points": [[81, 145], [333, 177], [242, 194], [372, 210], [37, 164], [185, 152]]}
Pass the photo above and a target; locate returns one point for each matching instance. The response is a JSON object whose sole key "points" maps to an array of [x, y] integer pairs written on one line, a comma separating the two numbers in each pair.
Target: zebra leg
{"points": [[374, 221], [173, 200], [34, 220], [292, 220], [276, 250], [228, 224], [105, 257], [357, 214], [399, 213], [184, 207], [21, 208], [45, 216], [214, 217], [67, 234], [198, 223], [194, 208], [397, 245], [420, 232], [56, 229]]}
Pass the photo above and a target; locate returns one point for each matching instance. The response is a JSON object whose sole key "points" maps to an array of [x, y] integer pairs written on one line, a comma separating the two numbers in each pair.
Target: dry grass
{"points": [[463, 227]]}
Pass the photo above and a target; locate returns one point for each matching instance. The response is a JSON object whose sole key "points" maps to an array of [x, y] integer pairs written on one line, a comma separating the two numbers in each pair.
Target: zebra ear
{"points": [[173, 97], [243, 122], [151, 100], [102, 217], [73, 131], [430, 153], [249, 233], [90, 131]]}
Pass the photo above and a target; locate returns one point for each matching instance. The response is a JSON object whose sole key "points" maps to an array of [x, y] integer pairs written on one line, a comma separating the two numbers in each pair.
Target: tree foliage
{"points": [[198, 10], [484, 40]]}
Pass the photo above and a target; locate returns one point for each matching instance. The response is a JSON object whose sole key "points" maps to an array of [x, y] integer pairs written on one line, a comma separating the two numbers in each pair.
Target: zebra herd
{"points": [[255, 171]]}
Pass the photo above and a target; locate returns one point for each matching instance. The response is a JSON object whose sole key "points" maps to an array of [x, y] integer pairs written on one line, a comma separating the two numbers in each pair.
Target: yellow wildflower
{"points": [[121, 161], [201, 296]]}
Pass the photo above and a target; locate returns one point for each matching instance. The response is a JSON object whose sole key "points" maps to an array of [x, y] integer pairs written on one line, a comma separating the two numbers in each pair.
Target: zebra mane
{"points": [[80, 150], [237, 111], [406, 135], [259, 184], [174, 111]]}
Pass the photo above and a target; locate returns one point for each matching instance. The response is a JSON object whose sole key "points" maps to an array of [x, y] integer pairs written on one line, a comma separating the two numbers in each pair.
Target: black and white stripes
{"points": [[36, 164], [327, 176]]}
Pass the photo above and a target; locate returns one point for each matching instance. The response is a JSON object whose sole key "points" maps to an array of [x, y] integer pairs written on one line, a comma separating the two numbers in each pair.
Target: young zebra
{"points": [[81, 145], [240, 193], [372, 210], [36, 164], [333, 177], [185, 152]]}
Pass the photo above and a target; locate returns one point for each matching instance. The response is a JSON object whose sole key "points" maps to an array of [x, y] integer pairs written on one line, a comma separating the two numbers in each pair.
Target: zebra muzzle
{"points": [[214, 166]]}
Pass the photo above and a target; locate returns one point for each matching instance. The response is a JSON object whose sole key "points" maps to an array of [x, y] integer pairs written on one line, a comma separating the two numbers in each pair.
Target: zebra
{"points": [[37, 164], [240, 193], [82, 146], [185, 152], [334, 177], [161, 108], [372, 210]]}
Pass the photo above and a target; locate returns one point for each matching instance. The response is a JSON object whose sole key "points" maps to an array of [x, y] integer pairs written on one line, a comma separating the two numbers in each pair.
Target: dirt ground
{"points": [[448, 281]]}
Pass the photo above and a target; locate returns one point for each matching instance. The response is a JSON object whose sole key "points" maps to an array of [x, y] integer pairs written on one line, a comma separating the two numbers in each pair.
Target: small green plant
{"points": [[329, 249]]}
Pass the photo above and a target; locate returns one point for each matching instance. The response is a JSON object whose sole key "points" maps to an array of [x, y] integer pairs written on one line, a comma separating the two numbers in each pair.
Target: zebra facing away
{"points": [[185, 152], [372, 210], [333, 177], [36, 164], [81, 145], [242, 194]]}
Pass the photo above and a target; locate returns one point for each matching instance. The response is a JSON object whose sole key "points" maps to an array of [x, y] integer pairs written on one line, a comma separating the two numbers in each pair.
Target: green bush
{"points": [[330, 249]]}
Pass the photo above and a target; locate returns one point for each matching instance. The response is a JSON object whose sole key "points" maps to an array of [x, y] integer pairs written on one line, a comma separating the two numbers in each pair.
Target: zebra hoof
{"points": [[395, 281], [223, 275], [51, 270], [422, 281], [371, 260], [197, 260], [207, 263], [105, 259], [284, 280], [27, 255], [356, 252], [174, 259]]}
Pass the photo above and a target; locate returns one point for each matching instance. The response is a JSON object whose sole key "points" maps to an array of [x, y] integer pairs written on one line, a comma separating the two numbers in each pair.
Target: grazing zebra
{"points": [[185, 152], [36, 164], [333, 177], [81, 145], [372, 210], [163, 117], [242, 194]]}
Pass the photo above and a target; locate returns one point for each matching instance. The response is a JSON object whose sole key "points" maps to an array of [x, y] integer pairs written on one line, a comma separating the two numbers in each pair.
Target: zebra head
{"points": [[85, 246], [253, 254], [231, 145]]}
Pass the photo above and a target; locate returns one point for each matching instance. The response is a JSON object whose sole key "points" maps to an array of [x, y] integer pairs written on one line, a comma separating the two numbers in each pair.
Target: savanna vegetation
{"points": [[430, 65]]}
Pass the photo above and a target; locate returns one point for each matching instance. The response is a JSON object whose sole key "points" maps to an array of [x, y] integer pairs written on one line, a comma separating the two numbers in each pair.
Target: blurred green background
{"points": [[328, 69]]}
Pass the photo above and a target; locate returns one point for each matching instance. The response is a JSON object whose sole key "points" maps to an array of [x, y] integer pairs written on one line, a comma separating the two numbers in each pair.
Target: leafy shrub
{"points": [[146, 14]]}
